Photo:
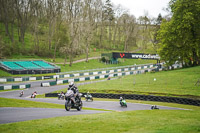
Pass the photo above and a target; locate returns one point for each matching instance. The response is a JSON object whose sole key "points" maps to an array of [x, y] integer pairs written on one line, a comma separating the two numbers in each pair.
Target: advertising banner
{"points": [[136, 56]]}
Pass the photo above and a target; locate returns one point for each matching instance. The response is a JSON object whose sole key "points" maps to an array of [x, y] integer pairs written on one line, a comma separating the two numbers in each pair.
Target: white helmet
{"points": [[71, 84]]}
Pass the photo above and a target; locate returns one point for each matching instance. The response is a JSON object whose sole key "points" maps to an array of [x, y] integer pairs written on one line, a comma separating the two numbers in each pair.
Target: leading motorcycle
{"points": [[72, 101]]}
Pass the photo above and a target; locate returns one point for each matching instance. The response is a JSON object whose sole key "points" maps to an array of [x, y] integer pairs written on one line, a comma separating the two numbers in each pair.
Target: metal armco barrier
{"points": [[140, 97]]}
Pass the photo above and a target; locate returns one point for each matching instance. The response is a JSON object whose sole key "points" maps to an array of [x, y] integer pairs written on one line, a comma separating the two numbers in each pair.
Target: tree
{"points": [[7, 17], [159, 19], [109, 16], [154, 32], [73, 11], [119, 11], [24, 15], [180, 37], [128, 23], [144, 32], [88, 24]]}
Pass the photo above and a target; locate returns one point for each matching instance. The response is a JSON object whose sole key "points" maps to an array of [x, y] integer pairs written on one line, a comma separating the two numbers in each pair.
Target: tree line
{"points": [[66, 28], [70, 27]]}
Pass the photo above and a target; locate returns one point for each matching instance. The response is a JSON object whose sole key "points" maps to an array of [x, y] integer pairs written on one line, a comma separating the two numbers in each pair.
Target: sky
{"points": [[138, 7]]}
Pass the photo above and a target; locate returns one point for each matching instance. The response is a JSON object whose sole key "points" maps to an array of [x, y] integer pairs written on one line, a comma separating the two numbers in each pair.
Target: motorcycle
{"points": [[154, 107], [21, 94], [72, 102], [61, 96], [88, 97], [34, 95], [123, 103]]}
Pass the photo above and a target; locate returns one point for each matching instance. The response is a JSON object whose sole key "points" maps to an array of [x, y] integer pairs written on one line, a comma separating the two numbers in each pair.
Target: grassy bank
{"points": [[6, 102], [95, 64], [179, 83]]}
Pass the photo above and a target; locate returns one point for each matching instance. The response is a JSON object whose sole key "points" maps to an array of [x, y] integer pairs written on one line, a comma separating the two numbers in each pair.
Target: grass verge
{"points": [[147, 121]]}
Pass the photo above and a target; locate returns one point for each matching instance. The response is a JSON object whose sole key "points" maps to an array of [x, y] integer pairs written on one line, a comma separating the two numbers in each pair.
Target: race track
{"points": [[14, 114]]}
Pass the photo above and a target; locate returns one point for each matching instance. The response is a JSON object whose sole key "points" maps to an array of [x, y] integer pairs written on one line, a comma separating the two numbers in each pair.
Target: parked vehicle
{"points": [[73, 101]]}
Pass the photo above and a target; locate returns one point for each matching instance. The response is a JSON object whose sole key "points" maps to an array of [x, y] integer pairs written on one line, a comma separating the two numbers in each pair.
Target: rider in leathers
{"points": [[75, 90]]}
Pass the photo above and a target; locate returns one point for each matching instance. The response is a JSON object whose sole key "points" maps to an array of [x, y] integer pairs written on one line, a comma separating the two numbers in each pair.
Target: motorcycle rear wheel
{"points": [[80, 106]]}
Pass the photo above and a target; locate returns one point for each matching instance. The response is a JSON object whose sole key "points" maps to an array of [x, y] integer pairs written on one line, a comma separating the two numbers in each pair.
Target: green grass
{"points": [[6, 102], [95, 64], [5, 74], [146, 121], [168, 83]]}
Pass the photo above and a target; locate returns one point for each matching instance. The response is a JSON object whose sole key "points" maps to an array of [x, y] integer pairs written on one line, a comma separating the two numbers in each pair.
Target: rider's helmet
{"points": [[71, 84]]}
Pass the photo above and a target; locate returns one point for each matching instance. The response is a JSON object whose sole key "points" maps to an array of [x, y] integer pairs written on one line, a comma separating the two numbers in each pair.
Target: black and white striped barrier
{"points": [[95, 77], [9, 87], [104, 75]]}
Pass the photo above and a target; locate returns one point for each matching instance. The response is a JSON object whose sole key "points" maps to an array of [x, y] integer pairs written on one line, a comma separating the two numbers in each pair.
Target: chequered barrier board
{"points": [[77, 74], [140, 97], [95, 77], [9, 87], [118, 73]]}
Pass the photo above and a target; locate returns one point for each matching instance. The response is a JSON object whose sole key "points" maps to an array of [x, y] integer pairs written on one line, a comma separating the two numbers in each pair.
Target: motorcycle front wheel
{"points": [[67, 105]]}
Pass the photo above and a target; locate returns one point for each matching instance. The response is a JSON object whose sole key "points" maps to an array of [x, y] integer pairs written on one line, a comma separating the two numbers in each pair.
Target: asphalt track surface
{"points": [[14, 114]]}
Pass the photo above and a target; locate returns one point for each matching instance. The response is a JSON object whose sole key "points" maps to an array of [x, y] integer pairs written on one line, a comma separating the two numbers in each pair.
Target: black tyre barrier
{"points": [[140, 97]]}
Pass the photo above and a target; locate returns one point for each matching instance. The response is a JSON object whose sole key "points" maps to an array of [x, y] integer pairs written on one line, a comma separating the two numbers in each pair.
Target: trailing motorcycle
{"points": [[88, 97], [72, 101], [61, 96]]}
